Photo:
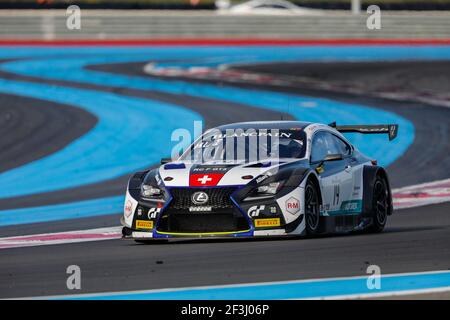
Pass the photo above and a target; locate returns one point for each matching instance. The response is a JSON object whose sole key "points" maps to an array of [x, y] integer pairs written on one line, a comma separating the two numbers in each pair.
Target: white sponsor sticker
{"points": [[255, 210], [292, 205], [153, 212]]}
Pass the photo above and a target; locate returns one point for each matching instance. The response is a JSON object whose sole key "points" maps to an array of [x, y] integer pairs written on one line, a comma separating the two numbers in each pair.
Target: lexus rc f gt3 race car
{"points": [[261, 179]]}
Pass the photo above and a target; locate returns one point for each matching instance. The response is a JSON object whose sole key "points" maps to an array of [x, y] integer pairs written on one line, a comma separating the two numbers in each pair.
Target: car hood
{"points": [[212, 174]]}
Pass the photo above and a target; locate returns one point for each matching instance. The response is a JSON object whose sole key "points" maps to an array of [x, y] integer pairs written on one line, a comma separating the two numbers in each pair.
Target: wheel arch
{"points": [[313, 177], [370, 173]]}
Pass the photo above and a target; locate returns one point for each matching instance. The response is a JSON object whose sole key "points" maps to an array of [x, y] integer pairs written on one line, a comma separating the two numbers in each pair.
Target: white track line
{"points": [[404, 294], [112, 294]]}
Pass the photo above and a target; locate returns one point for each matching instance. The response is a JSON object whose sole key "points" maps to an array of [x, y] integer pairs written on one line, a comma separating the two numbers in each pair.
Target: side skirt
{"points": [[345, 223]]}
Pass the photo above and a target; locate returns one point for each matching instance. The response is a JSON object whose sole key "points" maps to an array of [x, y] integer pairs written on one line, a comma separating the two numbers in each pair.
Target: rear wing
{"points": [[390, 129]]}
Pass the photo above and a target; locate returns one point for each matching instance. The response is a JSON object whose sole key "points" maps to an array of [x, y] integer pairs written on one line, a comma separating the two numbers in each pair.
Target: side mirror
{"points": [[333, 157], [166, 160]]}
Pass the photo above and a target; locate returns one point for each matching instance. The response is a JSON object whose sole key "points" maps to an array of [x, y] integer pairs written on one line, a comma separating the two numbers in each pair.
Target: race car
{"points": [[262, 179]]}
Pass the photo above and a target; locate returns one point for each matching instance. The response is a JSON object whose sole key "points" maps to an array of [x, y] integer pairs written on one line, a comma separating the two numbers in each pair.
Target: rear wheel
{"points": [[380, 205], [312, 208]]}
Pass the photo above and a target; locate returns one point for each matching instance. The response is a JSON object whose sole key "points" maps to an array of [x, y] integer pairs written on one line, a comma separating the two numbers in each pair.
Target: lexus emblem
{"points": [[200, 197]]}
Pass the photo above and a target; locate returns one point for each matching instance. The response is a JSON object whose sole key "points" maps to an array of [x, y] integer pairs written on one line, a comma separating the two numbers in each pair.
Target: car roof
{"points": [[266, 125]]}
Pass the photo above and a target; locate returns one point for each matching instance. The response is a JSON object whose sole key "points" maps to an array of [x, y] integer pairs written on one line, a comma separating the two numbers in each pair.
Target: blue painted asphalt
{"points": [[131, 134], [325, 110], [245, 54], [73, 210], [288, 290]]}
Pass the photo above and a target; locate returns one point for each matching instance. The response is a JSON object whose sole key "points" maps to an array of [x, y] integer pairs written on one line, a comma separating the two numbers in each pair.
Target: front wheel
{"points": [[380, 205], [312, 208]]}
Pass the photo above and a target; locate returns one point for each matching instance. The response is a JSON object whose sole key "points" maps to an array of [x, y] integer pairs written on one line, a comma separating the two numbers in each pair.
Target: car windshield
{"points": [[249, 145]]}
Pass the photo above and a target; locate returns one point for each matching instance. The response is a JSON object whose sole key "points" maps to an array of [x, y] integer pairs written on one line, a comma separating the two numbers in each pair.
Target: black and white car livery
{"points": [[261, 179]]}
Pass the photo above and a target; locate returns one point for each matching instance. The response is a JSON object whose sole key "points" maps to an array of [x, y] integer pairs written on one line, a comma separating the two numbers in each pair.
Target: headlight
{"points": [[264, 191], [270, 188], [150, 191]]}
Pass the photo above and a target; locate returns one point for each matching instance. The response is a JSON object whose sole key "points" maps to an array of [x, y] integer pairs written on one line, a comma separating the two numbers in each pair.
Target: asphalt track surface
{"points": [[415, 239], [27, 124]]}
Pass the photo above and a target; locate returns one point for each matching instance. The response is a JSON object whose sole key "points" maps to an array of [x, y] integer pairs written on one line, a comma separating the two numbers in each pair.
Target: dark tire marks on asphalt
{"points": [[31, 128]]}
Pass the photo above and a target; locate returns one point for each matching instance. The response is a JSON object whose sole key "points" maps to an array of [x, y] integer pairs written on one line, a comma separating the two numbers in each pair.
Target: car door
{"points": [[335, 177], [347, 205], [354, 204]]}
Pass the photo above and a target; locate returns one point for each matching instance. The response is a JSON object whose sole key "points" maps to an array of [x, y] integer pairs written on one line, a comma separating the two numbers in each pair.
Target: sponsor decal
{"points": [[143, 224], [128, 209], [292, 205], [262, 178], [200, 209], [349, 206], [273, 210], [210, 169], [139, 211], [356, 191], [200, 197], [158, 179], [249, 133], [336, 194], [171, 166], [324, 208], [153, 213], [264, 223], [255, 210], [352, 207], [205, 180]]}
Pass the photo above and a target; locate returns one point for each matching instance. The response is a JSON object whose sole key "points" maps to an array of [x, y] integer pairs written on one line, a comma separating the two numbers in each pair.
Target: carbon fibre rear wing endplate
{"points": [[390, 129]]}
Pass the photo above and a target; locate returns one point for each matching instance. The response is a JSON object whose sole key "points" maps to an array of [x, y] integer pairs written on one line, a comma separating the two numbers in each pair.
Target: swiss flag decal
{"points": [[205, 179]]}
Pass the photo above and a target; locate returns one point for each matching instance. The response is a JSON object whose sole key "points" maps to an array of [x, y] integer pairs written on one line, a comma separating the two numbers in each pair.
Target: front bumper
{"points": [[128, 233], [251, 219]]}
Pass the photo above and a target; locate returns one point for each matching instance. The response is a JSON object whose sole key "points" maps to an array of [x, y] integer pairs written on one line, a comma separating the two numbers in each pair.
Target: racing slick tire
{"points": [[380, 205], [312, 208]]}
